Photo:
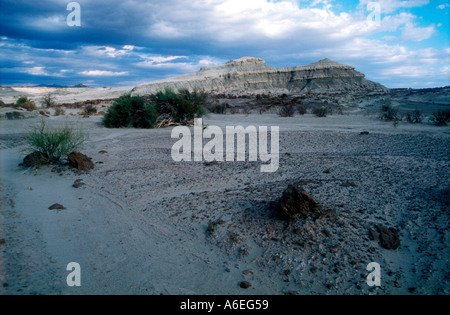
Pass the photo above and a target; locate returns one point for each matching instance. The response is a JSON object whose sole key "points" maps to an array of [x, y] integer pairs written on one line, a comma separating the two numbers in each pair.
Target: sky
{"points": [[398, 43]]}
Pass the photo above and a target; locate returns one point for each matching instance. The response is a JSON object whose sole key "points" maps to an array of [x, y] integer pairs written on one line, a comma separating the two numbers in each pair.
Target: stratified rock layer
{"points": [[251, 76]]}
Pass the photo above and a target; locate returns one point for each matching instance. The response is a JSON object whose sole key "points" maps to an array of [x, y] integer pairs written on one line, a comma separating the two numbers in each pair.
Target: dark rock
{"points": [[57, 206], [295, 202], [365, 133], [80, 161], [245, 284], [35, 159], [292, 293], [2, 241], [373, 235], [78, 183], [214, 163], [103, 152], [389, 237]]}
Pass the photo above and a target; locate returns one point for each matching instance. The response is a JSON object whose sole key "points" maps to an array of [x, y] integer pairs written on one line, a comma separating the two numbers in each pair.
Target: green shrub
{"points": [[130, 111], [25, 103], [182, 106], [440, 118], [55, 143], [143, 112]]}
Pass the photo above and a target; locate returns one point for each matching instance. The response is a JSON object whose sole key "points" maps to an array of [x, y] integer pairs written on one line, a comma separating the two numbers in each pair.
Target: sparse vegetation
{"points": [[440, 118], [60, 111], [143, 112], [389, 113], [286, 111], [302, 109], [26, 103], [414, 117], [321, 111], [217, 108], [89, 110], [48, 100], [55, 143]]}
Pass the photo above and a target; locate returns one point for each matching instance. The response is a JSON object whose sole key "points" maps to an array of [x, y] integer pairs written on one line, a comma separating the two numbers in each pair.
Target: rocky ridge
{"points": [[252, 76]]}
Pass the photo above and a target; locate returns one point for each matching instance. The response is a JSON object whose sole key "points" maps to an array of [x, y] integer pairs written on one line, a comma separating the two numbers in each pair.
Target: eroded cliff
{"points": [[251, 76]]}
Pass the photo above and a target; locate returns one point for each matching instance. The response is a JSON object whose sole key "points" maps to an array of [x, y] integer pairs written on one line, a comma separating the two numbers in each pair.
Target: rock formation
{"points": [[252, 76]]}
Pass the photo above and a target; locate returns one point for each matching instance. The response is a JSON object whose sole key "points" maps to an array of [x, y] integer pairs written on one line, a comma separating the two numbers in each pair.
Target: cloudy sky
{"points": [[127, 42]]}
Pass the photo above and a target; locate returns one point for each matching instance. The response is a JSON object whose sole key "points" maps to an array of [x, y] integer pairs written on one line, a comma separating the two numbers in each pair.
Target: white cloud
{"points": [[102, 73], [108, 51], [443, 6], [417, 34], [37, 71]]}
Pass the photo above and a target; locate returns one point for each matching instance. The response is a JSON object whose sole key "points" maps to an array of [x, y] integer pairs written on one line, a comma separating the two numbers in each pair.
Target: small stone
{"points": [[292, 293], [78, 183], [248, 272], [2, 241], [57, 206], [245, 284]]}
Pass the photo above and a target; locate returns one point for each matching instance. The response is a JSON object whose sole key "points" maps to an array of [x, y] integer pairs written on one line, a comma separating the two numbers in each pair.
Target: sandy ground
{"points": [[140, 223]]}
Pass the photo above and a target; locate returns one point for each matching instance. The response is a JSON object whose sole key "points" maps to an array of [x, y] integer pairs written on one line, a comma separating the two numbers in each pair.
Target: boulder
{"points": [[296, 202], [389, 237], [80, 161]]}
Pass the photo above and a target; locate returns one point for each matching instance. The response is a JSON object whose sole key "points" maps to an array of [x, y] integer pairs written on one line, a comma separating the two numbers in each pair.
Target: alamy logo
{"points": [[74, 17], [374, 278], [235, 143], [74, 277]]}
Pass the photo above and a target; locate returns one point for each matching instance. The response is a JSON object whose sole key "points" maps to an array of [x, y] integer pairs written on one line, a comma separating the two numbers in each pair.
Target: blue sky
{"points": [[128, 42]]}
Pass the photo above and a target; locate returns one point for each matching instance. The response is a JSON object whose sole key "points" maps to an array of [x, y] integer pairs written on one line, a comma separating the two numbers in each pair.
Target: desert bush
{"points": [[217, 108], [89, 110], [286, 111], [414, 117], [182, 106], [130, 111], [48, 100], [143, 112], [26, 103], [302, 109], [320, 111], [55, 143], [389, 113], [60, 111], [440, 118]]}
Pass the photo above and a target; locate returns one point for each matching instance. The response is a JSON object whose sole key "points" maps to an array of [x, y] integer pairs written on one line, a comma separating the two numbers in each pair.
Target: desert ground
{"points": [[140, 223], [144, 224]]}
